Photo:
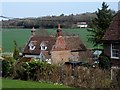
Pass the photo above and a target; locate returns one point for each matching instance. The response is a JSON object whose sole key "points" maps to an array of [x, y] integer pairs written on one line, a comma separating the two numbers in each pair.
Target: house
{"points": [[54, 49], [82, 25], [39, 47], [111, 40]]}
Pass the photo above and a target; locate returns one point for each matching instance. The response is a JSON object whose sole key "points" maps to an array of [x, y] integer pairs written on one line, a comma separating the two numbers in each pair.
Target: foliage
{"points": [[100, 24], [32, 70], [7, 66], [16, 51], [0, 50], [78, 76], [87, 65], [104, 62], [68, 21]]}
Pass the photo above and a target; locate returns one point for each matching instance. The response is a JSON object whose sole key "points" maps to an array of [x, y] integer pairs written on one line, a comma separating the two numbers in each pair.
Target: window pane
{"points": [[115, 55], [115, 50]]}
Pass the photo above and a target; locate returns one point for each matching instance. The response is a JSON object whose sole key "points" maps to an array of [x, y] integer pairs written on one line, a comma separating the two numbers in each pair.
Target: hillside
{"points": [[21, 36], [66, 21]]}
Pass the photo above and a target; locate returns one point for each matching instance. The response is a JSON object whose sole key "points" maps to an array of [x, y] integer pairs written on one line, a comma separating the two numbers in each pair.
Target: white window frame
{"points": [[43, 45], [113, 57], [31, 46]]}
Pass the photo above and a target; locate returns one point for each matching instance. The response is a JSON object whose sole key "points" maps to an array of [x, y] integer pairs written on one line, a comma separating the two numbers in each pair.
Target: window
{"points": [[43, 46], [114, 51], [31, 45]]}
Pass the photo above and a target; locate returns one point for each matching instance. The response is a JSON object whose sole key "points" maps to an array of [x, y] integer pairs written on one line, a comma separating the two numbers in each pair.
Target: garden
{"points": [[80, 76]]}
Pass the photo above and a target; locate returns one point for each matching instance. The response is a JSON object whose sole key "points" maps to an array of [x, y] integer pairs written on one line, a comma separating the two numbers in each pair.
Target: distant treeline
{"points": [[66, 21]]}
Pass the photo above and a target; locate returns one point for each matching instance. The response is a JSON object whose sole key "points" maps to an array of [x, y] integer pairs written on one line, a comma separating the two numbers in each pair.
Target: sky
{"points": [[39, 9]]}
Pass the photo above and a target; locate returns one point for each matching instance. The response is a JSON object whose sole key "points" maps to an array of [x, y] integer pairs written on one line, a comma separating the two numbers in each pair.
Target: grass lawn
{"points": [[21, 36], [8, 83]]}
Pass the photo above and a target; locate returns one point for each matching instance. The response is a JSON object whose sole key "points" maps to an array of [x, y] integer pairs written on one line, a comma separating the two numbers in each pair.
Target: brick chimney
{"points": [[59, 31], [33, 31]]}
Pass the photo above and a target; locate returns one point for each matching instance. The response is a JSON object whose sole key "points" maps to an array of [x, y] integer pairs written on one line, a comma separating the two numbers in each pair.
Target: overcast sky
{"points": [[38, 9]]}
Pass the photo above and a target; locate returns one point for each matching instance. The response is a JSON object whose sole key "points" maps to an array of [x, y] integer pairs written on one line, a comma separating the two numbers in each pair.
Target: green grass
{"points": [[22, 35], [9, 83], [9, 35]]}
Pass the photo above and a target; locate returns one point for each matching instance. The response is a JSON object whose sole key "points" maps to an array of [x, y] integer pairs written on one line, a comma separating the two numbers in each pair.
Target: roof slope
{"points": [[113, 32], [49, 41], [74, 43]]}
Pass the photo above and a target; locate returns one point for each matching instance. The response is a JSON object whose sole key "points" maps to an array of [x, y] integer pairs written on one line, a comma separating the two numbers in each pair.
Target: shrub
{"points": [[104, 62], [34, 70], [87, 65], [7, 67], [16, 51]]}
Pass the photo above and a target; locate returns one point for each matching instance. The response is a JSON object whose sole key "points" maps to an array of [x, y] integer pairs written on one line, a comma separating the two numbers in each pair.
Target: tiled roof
{"points": [[68, 43], [74, 43], [113, 32], [62, 43], [49, 41]]}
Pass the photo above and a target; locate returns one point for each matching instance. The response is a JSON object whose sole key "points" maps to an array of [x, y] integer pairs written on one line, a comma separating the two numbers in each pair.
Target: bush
{"points": [[16, 51], [104, 62], [33, 70], [87, 65], [7, 67]]}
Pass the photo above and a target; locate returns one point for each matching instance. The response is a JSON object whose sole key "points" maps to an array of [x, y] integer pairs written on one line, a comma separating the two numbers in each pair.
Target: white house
{"points": [[82, 25]]}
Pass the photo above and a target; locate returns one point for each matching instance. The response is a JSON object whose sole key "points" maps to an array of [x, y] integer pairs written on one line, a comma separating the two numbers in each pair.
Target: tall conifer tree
{"points": [[100, 24]]}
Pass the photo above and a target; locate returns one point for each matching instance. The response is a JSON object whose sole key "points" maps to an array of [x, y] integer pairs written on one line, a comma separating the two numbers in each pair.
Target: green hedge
{"points": [[7, 66], [33, 70]]}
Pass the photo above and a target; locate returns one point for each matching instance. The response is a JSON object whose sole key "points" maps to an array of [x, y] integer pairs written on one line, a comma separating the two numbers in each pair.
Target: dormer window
{"points": [[32, 45], [43, 46]]}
